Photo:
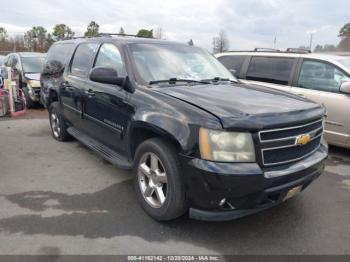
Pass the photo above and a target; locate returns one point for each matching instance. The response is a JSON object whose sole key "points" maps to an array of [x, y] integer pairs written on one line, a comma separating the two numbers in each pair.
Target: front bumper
{"points": [[246, 187]]}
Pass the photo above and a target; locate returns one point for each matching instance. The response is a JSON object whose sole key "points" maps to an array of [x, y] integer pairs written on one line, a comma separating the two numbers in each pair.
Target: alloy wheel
{"points": [[153, 180]]}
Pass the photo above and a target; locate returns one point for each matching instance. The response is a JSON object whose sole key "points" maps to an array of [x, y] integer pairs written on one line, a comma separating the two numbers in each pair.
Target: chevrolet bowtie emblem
{"points": [[303, 139]]}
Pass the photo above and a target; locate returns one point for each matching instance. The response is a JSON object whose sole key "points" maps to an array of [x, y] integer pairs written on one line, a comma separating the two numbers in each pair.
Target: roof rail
{"points": [[262, 49], [116, 34], [298, 50]]}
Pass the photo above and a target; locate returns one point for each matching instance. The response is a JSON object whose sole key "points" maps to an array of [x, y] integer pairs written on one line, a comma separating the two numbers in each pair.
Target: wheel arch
{"points": [[142, 131]]}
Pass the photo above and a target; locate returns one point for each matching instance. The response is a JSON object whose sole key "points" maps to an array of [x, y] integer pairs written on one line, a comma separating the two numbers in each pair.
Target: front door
{"points": [[106, 111]]}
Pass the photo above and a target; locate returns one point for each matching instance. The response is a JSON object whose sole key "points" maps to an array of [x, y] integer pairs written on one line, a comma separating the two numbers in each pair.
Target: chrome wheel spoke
{"points": [[161, 177], [154, 163], [160, 194], [149, 191], [145, 170]]}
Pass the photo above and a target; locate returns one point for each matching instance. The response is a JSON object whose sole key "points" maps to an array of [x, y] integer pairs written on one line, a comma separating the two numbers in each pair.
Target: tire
{"points": [[57, 123], [175, 203]]}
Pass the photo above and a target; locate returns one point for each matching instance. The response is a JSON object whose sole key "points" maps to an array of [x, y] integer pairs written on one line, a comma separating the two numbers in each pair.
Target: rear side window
{"points": [[56, 58], [233, 62], [59, 52], [83, 58], [274, 70]]}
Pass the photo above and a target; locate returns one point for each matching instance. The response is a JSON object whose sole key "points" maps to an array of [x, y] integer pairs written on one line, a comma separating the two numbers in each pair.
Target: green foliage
{"points": [[145, 33], [92, 29], [3, 34], [345, 31], [61, 32], [36, 39]]}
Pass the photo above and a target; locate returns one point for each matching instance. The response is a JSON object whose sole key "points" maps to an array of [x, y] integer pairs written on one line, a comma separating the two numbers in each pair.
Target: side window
{"points": [[82, 60], [8, 61], [56, 58], [14, 62], [274, 70], [109, 56], [321, 76], [233, 62]]}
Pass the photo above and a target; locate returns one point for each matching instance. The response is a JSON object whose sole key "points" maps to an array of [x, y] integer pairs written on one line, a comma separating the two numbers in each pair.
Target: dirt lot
{"points": [[60, 198]]}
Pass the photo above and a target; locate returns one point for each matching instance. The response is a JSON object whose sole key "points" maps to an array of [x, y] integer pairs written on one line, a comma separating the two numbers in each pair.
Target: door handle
{"points": [[65, 84], [90, 93]]}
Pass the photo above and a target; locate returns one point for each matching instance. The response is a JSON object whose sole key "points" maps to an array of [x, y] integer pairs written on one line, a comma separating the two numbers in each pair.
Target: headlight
{"points": [[226, 146]]}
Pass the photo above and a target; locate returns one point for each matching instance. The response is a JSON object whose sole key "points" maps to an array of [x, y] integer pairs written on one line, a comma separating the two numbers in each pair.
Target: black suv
{"points": [[196, 138]]}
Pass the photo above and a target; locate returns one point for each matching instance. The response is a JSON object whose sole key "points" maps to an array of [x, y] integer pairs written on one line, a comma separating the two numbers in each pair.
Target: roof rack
{"points": [[262, 49], [113, 34], [298, 50]]}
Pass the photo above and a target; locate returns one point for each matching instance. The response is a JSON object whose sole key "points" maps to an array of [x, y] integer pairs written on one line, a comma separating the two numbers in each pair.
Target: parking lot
{"points": [[60, 198]]}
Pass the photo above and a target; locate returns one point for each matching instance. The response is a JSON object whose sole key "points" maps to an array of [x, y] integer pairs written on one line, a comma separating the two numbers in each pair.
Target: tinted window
{"points": [[233, 62], [321, 76], [109, 56], [59, 52], [83, 59], [270, 69], [56, 58]]}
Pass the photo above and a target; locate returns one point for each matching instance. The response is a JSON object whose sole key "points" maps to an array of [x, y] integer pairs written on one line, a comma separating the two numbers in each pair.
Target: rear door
{"points": [[75, 82], [320, 81]]}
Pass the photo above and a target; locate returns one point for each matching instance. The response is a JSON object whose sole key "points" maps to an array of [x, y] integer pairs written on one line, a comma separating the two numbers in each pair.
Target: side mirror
{"points": [[345, 88], [106, 75]]}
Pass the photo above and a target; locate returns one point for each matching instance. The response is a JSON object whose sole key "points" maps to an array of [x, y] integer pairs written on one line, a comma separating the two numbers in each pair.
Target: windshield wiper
{"points": [[176, 80], [219, 79]]}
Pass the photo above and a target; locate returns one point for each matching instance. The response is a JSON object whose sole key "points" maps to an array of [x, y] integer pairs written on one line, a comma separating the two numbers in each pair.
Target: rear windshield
{"points": [[33, 64]]}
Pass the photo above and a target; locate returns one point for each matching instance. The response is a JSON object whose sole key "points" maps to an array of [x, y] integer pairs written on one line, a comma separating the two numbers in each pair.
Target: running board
{"points": [[110, 155]]}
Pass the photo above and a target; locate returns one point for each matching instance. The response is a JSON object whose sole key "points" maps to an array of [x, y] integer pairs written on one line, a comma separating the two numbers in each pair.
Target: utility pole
{"points": [[275, 42], [311, 36]]}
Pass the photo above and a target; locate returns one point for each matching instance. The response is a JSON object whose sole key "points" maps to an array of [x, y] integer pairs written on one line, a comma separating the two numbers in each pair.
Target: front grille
{"points": [[279, 146]]}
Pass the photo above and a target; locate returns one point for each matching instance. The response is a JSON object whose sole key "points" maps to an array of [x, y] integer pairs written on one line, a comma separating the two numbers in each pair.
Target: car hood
{"points": [[241, 106], [32, 76]]}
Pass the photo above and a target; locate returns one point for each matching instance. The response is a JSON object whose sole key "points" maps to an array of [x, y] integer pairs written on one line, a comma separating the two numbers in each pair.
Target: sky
{"points": [[247, 23]]}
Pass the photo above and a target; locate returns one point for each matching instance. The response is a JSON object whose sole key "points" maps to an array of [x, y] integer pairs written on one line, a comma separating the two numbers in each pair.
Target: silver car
{"points": [[323, 78]]}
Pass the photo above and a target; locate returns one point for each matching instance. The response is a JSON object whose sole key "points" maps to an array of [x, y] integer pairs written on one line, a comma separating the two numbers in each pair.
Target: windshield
{"points": [[161, 62], [32, 64], [345, 62]]}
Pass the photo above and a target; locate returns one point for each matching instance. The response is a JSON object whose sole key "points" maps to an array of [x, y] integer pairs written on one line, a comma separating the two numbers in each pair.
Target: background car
{"points": [[323, 78], [27, 68]]}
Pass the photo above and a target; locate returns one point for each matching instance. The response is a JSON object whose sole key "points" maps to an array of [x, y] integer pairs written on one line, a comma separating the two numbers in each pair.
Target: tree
{"points": [[36, 39], [145, 33], [61, 32], [121, 31], [345, 31], [3, 34], [92, 29], [220, 43], [190, 42]]}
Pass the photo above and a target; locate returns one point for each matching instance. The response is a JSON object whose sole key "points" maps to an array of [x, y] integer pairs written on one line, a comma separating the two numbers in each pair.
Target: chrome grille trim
{"points": [[282, 129], [280, 142]]}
